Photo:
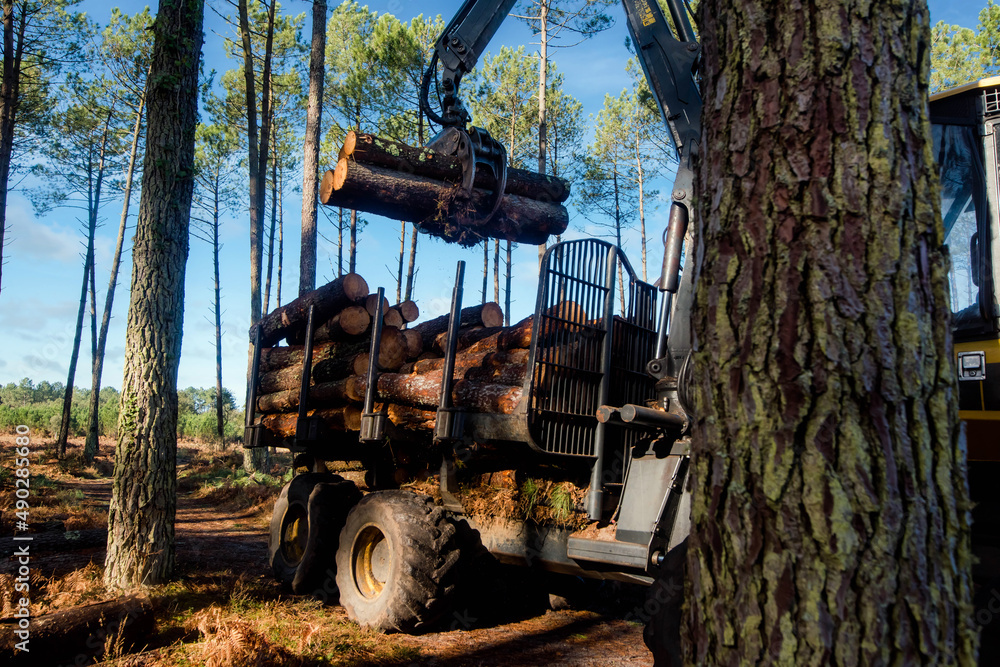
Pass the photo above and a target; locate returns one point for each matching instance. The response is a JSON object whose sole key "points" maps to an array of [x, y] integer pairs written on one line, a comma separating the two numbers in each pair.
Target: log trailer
{"points": [[604, 402]]}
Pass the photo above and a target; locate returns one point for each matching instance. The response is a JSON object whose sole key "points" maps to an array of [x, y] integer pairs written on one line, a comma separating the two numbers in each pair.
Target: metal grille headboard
{"points": [[595, 329]]}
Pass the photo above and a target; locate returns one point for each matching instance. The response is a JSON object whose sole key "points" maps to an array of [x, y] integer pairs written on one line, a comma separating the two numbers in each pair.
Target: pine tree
{"points": [[830, 508], [143, 499]]}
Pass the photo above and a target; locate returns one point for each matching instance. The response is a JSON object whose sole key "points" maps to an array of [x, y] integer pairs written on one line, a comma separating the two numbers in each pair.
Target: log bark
{"points": [[324, 393], [485, 314], [466, 338], [517, 336], [328, 300], [438, 208], [344, 418], [405, 416], [64, 636], [509, 375], [281, 367], [414, 343], [276, 358], [372, 150], [425, 390]]}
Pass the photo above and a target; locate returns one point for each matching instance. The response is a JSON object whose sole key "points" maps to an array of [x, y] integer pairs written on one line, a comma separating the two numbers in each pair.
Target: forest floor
{"points": [[225, 608]]}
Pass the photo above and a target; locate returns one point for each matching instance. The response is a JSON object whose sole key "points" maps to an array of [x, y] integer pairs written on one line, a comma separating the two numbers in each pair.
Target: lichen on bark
{"points": [[830, 516]]}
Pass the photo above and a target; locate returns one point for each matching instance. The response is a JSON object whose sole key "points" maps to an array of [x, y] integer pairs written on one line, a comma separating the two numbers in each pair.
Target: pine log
{"points": [[405, 416], [336, 361], [328, 300], [462, 361], [486, 314], [393, 318], [509, 375], [348, 325], [371, 150], [345, 418], [371, 304], [273, 358], [409, 310], [324, 393], [82, 631], [392, 354], [414, 343], [518, 335], [438, 208], [425, 390], [466, 337], [467, 360]]}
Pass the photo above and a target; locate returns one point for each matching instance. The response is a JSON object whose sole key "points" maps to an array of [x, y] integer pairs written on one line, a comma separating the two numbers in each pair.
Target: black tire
{"points": [[397, 561], [305, 526], [663, 610]]}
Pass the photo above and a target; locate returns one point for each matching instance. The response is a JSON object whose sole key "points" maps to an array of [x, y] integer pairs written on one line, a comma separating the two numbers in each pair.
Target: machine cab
{"points": [[966, 128]]}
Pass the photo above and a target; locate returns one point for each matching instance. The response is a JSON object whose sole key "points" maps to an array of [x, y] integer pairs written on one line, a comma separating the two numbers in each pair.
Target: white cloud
{"points": [[45, 240]]}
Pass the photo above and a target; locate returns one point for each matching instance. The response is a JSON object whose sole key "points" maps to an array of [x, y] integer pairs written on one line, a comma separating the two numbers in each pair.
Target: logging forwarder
{"points": [[582, 469]]}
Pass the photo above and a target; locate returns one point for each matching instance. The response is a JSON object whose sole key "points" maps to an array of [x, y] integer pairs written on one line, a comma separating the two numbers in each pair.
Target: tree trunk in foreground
{"points": [[143, 499], [830, 515]]}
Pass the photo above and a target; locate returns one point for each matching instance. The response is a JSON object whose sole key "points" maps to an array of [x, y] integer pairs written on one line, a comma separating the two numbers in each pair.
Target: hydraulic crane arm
{"points": [[669, 58]]}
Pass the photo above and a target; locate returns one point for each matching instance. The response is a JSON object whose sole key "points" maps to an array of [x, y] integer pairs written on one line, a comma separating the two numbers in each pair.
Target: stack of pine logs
{"points": [[417, 185], [490, 365]]}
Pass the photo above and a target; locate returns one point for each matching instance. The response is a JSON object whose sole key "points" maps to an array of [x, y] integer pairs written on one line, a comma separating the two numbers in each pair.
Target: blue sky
{"points": [[43, 265]]}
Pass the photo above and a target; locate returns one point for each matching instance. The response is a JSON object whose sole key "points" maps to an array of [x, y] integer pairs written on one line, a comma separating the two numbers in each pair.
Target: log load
{"points": [[328, 300], [378, 151], [490, 369], [438, 208], [486, 315]]}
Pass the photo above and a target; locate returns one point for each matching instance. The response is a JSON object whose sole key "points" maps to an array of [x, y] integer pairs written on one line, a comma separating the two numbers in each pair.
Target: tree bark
{"points": [[143, 499], [13, 48], [402, 254], [310, 162], [220, 427], [411, 265], [830, 507], [435, 207]]}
